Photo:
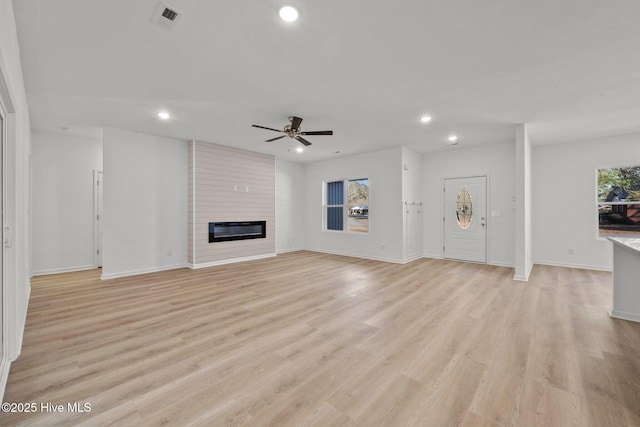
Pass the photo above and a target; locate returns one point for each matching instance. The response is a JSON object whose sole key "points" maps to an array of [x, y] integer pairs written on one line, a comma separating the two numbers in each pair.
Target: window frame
{"points": [[344, 205]]}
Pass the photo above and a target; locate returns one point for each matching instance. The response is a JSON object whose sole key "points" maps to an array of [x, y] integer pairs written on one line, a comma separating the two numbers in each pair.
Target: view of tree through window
{"points": [[619, 201]]}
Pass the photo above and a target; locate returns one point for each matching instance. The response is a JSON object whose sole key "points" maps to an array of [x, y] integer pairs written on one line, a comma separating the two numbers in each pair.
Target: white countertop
{"points": [[632, 243]]}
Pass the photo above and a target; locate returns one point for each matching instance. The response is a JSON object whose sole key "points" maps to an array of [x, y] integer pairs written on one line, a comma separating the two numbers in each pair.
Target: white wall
{"points": [[384, 239], [497, 161], [564, 196], [62, 191], [18, 150], [145, 203], [290, 194], [412, 197]]}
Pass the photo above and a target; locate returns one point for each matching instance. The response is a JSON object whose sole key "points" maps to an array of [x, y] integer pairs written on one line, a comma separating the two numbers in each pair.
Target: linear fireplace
{"points": [[226, 231]]}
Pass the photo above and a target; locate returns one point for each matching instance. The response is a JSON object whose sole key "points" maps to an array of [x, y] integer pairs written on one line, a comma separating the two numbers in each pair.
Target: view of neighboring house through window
{"points": [[354, 213], [358, 198], [619, 201]]}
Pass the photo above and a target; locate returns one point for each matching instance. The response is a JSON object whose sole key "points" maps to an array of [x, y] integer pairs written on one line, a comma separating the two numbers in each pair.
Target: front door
{"points": [[465, 219]]}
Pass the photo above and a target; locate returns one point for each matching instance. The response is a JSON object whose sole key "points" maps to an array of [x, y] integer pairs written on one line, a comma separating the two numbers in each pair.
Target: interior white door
{"points": [[465, 219]]}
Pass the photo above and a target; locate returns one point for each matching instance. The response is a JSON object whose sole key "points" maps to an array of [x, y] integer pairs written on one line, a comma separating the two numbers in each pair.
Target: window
{"points": [[464, 209], [354, 213], [618, 201], [335, 205]]}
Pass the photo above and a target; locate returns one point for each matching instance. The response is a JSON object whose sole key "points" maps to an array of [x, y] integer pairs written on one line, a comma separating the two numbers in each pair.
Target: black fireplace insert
{"points": [[242, 230]]}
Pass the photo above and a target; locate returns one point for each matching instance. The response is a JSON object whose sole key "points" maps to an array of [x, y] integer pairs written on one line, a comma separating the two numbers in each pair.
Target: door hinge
{"points": [[443, 249], [98, 252], [98, 217], [443, 189], [443, 219]]}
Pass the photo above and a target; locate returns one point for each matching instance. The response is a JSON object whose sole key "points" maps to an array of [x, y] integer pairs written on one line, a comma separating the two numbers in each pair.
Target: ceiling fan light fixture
{"points": [[163, 115], [425, 119], [288, 13], [299, 149], [452, 138]]}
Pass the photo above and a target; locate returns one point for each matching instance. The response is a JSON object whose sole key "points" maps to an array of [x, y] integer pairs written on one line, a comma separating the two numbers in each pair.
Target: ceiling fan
{"points": [[293, 131]]}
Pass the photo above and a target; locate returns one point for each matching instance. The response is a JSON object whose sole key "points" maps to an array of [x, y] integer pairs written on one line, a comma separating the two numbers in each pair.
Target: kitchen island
{"points": [[626, 278]]}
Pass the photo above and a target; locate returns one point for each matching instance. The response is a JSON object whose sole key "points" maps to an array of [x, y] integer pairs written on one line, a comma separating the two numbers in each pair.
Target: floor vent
{"points": [[166, 16]]}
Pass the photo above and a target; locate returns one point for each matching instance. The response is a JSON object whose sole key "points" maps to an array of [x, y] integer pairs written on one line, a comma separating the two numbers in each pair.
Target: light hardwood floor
{"points": [[321, 340]]}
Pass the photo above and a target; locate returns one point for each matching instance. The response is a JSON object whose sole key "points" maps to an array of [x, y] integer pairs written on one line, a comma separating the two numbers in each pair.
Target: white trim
{"points": [[230, 261], [580, 266], [353, 255], [525, 277], [141, 271], [8, 292], [432, 256], [496, 264], [411, 258], [193, 201], [502, 264], [284, 251], [63, 270], [616, 314]]}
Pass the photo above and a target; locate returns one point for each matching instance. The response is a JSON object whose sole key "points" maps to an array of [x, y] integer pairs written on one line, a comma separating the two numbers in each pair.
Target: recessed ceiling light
{"points": [[299, 149], [164, 115], [425, 119], [288, 14], [452, 138]]}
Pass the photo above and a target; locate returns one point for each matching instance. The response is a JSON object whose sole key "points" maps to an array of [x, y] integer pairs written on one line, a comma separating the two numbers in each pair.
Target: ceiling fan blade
{"points": [[277, 137], [303, 141], [318, 132], [295, 123], [263, 127]]}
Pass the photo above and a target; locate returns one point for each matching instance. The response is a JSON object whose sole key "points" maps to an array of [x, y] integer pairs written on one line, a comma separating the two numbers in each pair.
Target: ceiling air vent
{"points": [[166, 16]]}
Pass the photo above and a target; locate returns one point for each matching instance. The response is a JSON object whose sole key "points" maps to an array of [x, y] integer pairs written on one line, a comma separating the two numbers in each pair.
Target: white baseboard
{"points": [[501, 264], [411, 258], [496, 263], [141, 271], [354, 255], [230, 261], [62, 270], [284, 251], [580, 266], [624, 315]]}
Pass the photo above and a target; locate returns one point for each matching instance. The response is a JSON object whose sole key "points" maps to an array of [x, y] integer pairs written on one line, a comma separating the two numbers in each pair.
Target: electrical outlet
{"points": [[169, 253]]}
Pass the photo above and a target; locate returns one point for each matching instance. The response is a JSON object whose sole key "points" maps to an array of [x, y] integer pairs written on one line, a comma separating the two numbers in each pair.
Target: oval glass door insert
{"points": [[464, 209]]}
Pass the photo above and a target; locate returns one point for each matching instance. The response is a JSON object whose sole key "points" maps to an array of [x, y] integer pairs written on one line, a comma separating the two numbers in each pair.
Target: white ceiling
{"points": [[367, 69]]}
